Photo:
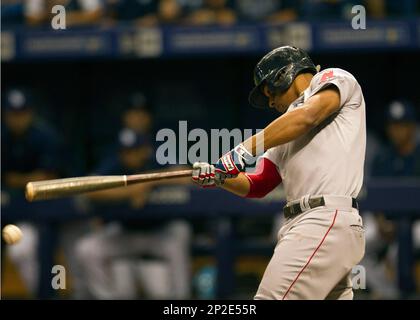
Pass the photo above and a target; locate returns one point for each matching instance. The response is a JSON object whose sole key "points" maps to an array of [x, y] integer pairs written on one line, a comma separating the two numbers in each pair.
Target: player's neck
{"points": [[302, 82]]}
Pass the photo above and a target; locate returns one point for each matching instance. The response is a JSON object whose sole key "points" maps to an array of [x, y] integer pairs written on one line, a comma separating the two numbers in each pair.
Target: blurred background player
{"points": [[137, 115], [110, 257], [30, 152], [134, 112], [399, 157]]}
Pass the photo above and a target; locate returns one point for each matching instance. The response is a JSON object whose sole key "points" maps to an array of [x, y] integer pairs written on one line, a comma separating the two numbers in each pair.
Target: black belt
{"points": [[295, 209]]}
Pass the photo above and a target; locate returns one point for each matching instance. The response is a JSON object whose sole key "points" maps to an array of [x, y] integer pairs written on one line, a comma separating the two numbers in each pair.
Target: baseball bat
{"points": [[56, 188]]}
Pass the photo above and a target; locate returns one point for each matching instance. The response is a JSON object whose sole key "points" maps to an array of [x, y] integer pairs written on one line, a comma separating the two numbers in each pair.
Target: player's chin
{"points": [[279, 109]]}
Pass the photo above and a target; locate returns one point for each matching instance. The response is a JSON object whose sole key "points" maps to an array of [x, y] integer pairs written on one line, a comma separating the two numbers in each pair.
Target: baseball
{"points": [[12, 234]]}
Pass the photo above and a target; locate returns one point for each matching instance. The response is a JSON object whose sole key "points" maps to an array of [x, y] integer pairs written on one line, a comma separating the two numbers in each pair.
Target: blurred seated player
{"points": [[30, 153], [213, 12], [110, 257], [137, 115], [144, 13], [78, 12], [30, 145], [400, 157], [271, 11]]}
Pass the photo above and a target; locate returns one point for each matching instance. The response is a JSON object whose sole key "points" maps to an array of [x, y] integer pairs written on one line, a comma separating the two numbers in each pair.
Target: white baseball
{"points": [[11, 234]]}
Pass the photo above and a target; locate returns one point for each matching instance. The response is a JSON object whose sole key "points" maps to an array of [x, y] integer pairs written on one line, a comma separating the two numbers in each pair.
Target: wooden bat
{"points": [[48, 189]]}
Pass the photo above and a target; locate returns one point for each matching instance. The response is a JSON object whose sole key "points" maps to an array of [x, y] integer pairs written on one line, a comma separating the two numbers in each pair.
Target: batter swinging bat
{"points": [[48, 189]]}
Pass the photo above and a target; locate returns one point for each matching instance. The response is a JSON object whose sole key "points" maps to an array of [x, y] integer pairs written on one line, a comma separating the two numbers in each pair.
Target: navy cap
{"points": [[16, 100], [400, 111], [128, 138]]}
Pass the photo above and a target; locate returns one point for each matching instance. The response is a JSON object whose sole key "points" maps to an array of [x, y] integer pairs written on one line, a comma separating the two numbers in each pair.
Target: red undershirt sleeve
{"points": [[265, 178]]}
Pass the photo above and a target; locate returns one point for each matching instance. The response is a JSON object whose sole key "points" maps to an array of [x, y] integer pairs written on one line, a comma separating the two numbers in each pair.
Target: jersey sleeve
{"points": [[273, 154], [341, 79]]}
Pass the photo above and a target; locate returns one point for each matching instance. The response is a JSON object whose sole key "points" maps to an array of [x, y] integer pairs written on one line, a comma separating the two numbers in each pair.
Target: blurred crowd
{"points": [[195, 12], [107, 259]]}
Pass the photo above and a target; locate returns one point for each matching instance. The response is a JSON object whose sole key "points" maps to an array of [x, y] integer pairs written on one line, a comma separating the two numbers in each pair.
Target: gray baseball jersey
{"points": [[329, 159], [317, 249]]}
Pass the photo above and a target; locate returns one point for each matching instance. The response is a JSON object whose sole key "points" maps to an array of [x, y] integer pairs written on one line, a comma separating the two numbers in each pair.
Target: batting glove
{"points": [[204, 175], [233, 162]]}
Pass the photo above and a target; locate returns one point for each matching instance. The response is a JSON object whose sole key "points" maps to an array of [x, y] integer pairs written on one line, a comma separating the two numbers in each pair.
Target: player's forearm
{"points": [[239, 185], [296, 123], [282, 130]]}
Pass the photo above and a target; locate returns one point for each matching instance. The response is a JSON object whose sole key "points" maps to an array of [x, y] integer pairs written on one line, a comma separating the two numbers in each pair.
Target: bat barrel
{"points": [[43, 190]]}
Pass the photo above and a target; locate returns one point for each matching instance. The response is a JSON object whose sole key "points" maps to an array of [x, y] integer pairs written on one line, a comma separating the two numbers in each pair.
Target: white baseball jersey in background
{"points": [[329, 159]]}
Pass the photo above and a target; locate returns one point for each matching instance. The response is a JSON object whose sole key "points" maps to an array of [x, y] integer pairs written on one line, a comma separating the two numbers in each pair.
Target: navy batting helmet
{"points": [[278, 69]]}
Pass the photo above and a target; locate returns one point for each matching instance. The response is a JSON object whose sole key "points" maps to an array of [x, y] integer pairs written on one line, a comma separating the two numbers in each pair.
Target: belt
{"points": [[292, 210]]}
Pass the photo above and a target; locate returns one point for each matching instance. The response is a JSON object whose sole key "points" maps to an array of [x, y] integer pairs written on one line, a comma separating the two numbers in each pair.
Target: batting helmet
{"points": [[278, 69]]}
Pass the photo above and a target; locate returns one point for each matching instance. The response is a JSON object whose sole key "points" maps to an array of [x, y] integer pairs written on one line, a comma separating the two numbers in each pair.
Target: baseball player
{"points": [[316, 147]]}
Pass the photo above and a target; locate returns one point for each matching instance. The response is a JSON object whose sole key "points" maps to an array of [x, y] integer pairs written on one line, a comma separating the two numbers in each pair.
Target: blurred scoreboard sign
{"points": [[390, 34], [207, 40], [57, 44], [129, 41]]}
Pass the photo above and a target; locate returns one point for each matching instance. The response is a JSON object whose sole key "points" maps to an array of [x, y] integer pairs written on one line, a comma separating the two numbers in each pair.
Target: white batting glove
{"points": [[204, 175]]}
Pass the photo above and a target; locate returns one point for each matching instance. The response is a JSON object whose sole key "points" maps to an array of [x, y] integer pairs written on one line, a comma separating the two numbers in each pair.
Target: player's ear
{"points": [[265, 90], [283, 78]]}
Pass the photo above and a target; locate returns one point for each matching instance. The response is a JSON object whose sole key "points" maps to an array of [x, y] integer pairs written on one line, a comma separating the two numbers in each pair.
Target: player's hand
{"points": [[233, 162], [204, 175]]}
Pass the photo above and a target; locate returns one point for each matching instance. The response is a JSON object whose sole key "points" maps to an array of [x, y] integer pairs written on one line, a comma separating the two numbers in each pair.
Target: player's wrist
{"points": [[244, 156], [233, 162]]}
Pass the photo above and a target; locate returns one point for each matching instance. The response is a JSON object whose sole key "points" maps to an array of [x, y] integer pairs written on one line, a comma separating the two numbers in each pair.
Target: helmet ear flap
{"points": [[280, 80]]}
